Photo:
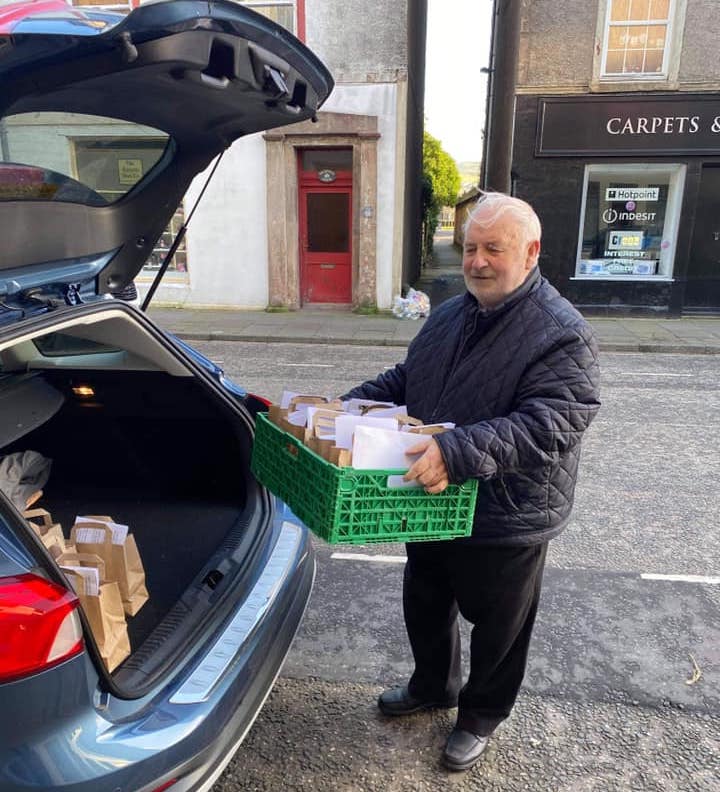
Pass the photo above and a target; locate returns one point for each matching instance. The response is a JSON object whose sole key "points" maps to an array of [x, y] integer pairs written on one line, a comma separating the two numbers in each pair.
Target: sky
{"points": [[458, 46]]}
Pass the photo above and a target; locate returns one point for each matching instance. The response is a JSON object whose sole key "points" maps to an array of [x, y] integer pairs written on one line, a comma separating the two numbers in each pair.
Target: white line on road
{"points": [[712, 581], [308, 365], [653, 374], [383, 559], [388, 559]]}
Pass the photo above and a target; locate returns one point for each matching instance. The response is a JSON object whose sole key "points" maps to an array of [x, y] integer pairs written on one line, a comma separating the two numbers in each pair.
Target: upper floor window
{"points": [[637, 38], [284, 12]]}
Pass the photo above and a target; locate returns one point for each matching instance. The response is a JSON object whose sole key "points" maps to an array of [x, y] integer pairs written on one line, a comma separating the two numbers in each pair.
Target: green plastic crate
{"points": [[348, 506]]}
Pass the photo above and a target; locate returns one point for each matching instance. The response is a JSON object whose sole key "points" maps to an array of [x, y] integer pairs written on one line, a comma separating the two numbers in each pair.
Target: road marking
{"points": [[382, 559], [308, 365], [712, 581], [653, 374], [388, 559]]}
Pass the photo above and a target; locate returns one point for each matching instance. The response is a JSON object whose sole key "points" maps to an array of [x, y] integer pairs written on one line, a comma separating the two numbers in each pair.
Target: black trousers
{"points": [[496, 589]]}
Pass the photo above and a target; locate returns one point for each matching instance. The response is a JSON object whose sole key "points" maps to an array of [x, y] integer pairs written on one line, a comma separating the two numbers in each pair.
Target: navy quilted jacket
{"points": [[520, 381]]}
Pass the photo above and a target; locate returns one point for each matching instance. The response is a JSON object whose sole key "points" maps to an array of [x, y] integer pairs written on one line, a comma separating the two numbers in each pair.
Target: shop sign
{"points": [[632, 193], [626, 125], [129, 171], [625, 240]]}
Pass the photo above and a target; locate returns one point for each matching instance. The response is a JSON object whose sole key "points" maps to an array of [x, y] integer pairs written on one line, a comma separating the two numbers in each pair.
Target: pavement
{"points": [[441, 279]]}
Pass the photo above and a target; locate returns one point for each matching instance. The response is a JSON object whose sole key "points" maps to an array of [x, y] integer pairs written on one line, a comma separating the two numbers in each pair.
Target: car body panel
{"points": [[205, 74], [85, 740]]}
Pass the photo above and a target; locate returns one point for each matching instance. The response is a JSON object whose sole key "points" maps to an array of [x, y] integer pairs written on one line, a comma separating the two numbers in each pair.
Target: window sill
{"points": [[175, 283], [621, 278], [639, 83]]}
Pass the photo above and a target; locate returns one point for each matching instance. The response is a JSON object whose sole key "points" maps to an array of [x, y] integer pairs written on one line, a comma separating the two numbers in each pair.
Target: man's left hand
{"points": [[429, 470]]}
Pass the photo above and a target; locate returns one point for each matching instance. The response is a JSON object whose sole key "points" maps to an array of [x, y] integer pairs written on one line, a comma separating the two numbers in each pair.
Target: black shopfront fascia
{"points": [[557, 137]]}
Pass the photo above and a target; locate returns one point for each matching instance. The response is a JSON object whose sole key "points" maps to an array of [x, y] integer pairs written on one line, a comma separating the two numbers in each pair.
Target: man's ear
{"points": [[533, 251]]}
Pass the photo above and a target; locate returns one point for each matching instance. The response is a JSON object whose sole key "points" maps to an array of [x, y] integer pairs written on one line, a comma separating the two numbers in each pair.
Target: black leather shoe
{"points": [[399, 701], [463, 749]]}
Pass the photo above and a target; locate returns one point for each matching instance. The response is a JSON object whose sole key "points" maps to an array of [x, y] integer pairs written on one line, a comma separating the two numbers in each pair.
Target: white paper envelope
{"points": [[286, 398], [345, 426], [298, 418], [389, 412], [381, 449], [90, 575], [119, 531]]}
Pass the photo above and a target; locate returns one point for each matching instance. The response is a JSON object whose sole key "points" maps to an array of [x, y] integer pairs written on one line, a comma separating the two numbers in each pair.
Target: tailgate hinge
{"points": [[71, 293]]}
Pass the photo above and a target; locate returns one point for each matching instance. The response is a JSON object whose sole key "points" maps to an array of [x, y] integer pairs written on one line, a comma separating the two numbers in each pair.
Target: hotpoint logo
{"points": [[632, 193], [611, 216]]}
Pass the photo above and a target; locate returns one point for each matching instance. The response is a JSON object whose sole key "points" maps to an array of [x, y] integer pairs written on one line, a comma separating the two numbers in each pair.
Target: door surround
{"points": [[332, 130]]}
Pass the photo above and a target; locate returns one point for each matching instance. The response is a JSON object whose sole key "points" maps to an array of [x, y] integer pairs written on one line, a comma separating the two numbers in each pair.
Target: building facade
{"points": [[617, 146], [325, 212]]}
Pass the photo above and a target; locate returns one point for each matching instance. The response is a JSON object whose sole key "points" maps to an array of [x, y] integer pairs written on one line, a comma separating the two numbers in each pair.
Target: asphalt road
{"points": [[629, 617]]}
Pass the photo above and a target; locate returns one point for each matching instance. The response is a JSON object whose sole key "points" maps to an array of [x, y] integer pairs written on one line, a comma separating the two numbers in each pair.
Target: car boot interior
{"points": [[157, 452]]}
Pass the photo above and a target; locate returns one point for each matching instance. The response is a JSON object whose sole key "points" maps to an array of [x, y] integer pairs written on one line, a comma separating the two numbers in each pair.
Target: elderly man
{"points": [[515, 367]]}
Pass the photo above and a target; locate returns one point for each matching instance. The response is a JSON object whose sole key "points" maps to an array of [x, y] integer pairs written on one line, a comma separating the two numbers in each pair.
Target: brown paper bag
{"points": [[406, 420], [276, 413], [49, 533], [31, 500], [122, 560], [323, 422], [342, 457], [306, 399], [103, 607], [427, 430]]}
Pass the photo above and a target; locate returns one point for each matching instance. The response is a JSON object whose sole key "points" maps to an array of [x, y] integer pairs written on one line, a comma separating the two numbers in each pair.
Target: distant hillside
{"points": [[469, 175]]}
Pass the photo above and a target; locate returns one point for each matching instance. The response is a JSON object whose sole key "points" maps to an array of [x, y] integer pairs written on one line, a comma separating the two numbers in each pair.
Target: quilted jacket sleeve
{"points": [[388, 386], [555, 401]]}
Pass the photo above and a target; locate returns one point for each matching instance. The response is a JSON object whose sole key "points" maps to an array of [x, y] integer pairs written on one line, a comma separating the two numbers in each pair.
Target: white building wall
{"points": [[227, 237]]}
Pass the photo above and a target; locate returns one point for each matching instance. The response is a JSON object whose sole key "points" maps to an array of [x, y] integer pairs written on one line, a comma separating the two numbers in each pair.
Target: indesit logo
{"points": [[610, 216]]}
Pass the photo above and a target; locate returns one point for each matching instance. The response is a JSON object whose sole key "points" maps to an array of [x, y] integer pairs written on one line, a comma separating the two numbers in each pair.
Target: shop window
{"points": [[637, 38], [629, 221], [178, 265], [115, 165]]}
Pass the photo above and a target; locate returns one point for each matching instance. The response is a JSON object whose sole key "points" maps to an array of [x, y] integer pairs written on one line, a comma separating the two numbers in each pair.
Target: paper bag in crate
{"points": [[101, 603], [49, 533], [102, 536]]}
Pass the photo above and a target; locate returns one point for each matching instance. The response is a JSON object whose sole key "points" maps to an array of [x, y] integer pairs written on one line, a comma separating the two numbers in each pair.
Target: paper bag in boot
{"points": [[117, 547], [101, 604]]}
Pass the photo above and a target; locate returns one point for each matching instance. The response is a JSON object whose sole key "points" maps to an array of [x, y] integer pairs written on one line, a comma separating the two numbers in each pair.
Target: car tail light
{"points": [[39, 625], [261, 399], [166, 785]]}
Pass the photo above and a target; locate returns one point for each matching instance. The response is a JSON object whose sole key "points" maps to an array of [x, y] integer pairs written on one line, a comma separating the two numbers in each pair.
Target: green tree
{"points": [[442, 171], [440, 186]]}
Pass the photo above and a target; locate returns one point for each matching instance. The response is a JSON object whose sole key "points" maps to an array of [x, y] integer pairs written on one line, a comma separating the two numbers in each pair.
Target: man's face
{"points": [[496, 258]]}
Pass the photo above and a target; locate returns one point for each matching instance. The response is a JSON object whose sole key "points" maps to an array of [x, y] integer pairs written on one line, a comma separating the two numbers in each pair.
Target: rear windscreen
{"points": [[74, 157]]}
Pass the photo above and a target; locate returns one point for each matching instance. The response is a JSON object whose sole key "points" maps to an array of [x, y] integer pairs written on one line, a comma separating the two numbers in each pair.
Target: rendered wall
{"points": [[358, 42], [227, 238], [558, 38]]}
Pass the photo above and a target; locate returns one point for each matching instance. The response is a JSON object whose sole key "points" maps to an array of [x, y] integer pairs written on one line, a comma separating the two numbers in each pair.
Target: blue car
{"points": [[104, 123]]}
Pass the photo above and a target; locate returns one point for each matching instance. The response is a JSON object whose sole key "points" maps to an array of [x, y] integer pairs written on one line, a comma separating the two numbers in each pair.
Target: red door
{"points": [[325, 236]]}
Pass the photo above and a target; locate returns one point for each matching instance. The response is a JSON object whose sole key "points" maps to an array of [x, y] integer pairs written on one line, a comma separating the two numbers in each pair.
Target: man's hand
{"points": [[429, 470]]}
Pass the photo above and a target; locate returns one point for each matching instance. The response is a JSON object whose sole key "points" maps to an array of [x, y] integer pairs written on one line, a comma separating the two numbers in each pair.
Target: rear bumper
{"points": [[199, 775], [136, 746], [238, 697]]}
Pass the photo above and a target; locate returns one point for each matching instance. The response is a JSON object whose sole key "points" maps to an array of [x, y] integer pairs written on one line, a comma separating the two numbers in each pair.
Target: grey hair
{"points": [[495, 204]]}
